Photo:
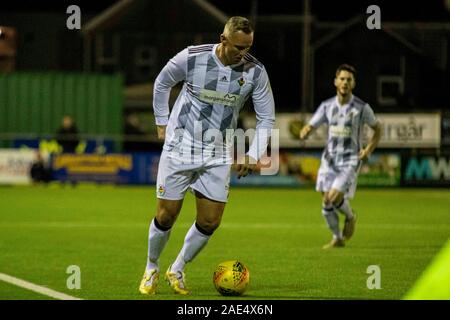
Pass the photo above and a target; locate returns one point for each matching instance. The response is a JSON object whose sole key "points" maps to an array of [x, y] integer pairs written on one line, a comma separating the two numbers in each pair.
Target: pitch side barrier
{"points": [[410, 154]]}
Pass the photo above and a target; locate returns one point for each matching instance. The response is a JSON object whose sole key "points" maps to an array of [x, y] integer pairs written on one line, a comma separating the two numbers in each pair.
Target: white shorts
{"points": [[175, 178], [343, 179]]}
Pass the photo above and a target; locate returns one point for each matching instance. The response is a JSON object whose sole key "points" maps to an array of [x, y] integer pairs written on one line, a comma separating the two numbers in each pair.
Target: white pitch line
{"points": [[34, 287]]}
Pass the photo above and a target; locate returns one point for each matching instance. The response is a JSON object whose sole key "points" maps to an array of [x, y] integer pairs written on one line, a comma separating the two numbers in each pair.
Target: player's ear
{"points": [[335, 82], [353, 84], [222, 38]]}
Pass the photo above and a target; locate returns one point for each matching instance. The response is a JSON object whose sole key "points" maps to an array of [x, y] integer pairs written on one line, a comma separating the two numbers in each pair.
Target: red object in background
{"points": [[8, 48]]}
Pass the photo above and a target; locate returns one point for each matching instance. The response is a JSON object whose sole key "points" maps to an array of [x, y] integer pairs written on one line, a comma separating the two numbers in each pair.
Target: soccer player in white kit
{"points": [[217, 80], [345, 115]]}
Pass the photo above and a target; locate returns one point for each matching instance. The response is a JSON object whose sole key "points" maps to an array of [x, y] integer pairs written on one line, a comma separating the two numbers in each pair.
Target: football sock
{"points": [[157, 239], [194, 242], [332, 220], [344, 208]]}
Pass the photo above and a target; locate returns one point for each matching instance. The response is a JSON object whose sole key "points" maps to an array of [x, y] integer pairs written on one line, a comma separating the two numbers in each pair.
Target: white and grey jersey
{"points": [[211, 97], [345, 126]]}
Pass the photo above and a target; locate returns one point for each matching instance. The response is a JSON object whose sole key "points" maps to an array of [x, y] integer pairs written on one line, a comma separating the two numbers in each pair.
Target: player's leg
{"points": [[343, 206], [173, 180], [335, 196], [209, 215], [167, 212], [325, 179], [330, 215], [211, 192], [344, 188], [158, 235], [332, 220], [172, 183]]}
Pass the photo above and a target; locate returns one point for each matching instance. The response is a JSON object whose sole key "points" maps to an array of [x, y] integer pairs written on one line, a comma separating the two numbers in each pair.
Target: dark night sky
{"points": [[324, 10], [333, 10]]}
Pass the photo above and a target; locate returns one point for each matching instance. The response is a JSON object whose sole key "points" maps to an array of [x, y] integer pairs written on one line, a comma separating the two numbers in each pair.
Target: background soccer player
{"points": [[345, 115], [218, 79]]}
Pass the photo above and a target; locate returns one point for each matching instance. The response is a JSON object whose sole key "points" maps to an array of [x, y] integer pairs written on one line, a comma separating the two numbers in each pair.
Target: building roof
{"points": [[170, 14]]}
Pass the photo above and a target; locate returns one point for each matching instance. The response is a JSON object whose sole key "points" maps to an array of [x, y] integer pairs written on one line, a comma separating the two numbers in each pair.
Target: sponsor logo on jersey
{"points": [[212, 97], [340, 131]]}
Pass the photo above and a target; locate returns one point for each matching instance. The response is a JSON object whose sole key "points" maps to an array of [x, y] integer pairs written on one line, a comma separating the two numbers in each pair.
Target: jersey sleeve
{"points": [[319, 116], [264, 105], [369, 116], [173, 72]]}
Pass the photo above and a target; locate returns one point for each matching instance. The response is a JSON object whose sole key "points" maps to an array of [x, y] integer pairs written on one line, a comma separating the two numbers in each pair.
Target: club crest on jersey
{"points": [[161, 190], [353, 113], [241, 82]]}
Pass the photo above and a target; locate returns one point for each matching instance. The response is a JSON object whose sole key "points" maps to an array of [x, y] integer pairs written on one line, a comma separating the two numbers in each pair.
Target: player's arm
{"points": [[161, 131], [264, 105], [370, 119], [306, 131], [317, 119], [373, 142], [172, 73]]}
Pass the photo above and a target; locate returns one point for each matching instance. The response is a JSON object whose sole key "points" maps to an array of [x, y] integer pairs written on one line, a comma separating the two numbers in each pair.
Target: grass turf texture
{"points": [[277, 233]]}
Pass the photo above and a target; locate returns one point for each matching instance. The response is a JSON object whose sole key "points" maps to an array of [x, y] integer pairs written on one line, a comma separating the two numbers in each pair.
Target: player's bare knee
{"points": [[207, 227], [165, 221], [326, 202], [165, 217], [167, 212], [209, 223], [337, 198], [332, 196]]}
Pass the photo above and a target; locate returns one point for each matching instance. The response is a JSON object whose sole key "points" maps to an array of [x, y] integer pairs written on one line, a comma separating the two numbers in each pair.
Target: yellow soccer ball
{"points": [[231, 278]]}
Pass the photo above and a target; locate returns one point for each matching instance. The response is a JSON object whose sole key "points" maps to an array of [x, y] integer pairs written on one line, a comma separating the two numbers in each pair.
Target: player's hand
{"points": [[363, 154], [245, 168], [304, 133], [161, 132]]}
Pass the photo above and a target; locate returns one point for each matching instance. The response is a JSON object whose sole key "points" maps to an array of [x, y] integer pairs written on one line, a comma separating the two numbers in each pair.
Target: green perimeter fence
{"points": [[36, 102]]}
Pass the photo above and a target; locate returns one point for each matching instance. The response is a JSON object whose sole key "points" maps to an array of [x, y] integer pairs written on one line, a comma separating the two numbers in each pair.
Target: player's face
{"points": [[236, 46], [344, 82]]}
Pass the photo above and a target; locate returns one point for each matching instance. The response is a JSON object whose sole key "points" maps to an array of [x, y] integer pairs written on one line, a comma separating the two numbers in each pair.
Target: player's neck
{"points": [[344, 99], [220, 54]]}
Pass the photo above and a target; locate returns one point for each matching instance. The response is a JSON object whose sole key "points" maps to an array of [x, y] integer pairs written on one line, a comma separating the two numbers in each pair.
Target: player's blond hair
{"points": [[235, 24]]}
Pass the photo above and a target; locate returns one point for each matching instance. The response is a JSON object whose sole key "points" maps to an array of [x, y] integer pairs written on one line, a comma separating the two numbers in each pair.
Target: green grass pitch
{"points": [[277, 233]]}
